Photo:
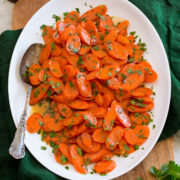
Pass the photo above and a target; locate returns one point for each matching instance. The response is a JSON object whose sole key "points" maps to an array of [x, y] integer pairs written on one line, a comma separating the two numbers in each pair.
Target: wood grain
{"points": [[161, 153]]}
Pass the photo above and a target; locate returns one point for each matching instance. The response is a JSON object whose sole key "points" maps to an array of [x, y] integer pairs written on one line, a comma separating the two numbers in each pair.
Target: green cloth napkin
{"points": [[164, 14]]}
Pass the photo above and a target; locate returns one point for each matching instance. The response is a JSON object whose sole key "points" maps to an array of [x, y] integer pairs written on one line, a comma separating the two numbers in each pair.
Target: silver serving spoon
{"points": [[31, 56]]}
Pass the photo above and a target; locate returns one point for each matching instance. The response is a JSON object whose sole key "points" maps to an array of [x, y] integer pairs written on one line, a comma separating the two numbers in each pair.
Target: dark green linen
{"points": [[164, 15]]}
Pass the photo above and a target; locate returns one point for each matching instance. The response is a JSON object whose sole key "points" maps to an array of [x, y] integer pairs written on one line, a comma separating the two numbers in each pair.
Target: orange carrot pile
{"points": [[92, 73]]}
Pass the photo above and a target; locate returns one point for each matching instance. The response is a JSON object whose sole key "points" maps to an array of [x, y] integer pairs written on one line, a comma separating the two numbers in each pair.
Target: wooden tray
{"points": [[161, 153]]}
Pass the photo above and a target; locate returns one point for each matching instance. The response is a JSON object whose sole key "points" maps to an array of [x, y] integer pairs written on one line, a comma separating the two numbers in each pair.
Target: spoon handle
{"points": [[17, 148]]}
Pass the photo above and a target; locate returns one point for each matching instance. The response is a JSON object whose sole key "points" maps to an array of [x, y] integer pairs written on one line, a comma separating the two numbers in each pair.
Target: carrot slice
{"points": [[92, 62], [55, 68], [94, 157], [70, 90], [142, 91], [139, 118], [130, 136], [38, 93], [121, 95], [91, 15], [99, 51], [47, 34], [112, 36], [108, 60], [64, 110], [60, 26], [105, 23], [99, 112], [100, 135], [33, 123], [123, 40], [75, 119], [92, 75], [90, 119], [67, 32], [64, 148], [56, 83], [51, 122], [55, 50], [77, 159], [142, 133], [116, 50], [84, 49], [145, 99], [92, 149], [86, 139], [33, 74], [108, 72], [150, 76], [53, 106], [109, 117], [84, 35], [122, 116], [73, 44], [72, 18], [104, 166], [78, 104], [70, 71], [123, 147], [56, 37], [113, 83], [58, 98], [99, 99], [45, 53], [123, 26], [107, 156], [84, 86], [114, 137]]}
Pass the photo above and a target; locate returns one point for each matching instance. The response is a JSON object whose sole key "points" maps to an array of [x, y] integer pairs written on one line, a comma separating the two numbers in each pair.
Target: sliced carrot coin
{"points": [[72, 18], [112, 36], [75, 119], [64, 110], [142, 91], [99, 99], [123, 26], [86, 139], [139, 118], [78, 104], [104, 166], [92, 62], [99, 51], [84, 49], [105, 23], [130, 136], [123, 40], [113, 83], [57, 37], [55, 68], [67, 32], [84, 35], [100, 135], [90, 119]]}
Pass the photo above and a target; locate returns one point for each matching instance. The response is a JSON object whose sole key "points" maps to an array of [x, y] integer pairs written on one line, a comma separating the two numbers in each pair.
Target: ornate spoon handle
{"points": [[17, 148]]}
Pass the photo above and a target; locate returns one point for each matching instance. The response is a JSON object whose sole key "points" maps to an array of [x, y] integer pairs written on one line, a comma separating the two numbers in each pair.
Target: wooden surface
{"points": [[161, 153]]}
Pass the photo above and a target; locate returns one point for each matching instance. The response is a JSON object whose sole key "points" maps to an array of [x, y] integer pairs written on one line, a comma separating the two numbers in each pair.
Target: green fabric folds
{"points": [[164, 15]]}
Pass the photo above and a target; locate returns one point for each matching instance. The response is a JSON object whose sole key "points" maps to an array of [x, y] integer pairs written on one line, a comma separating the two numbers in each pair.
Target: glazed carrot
{"points": [[108, 60], [123, 27], [99, 112], [60, 26], [82, 128], [77, 159], [51, 122], [86, 139], [55, 68], [38, 93], [123, 40], [123, 147], [142, 133], [45, 53], [104, 166], [73, 44], [70, 90], [121, 95], [113, 83], [105, 23], [114, 137], [90, 119], [57, 157], [84, 35], [92, 75], [64, 148], [92, 62], [33, 74], [99, 99], [109, 117], [86, 98], [56, 83], [42, 76], [121, 115], [150, 76], [92, 29], [72, 18], [67, 32], [53, 106], [108, 72], [139, 118], [137, 53], [45, 65], [47, 33], [100, 135], [34, 123], [116, 50], [75, 119], [64, 110], [107, 156], [84, 86], [99, 51], [145, 99], [70, 71], [94, 157], [62, 61], [142, 91], [146, 107], [55, 50], [78, 104], [58, 98], [112, 36], [91, 15], [56, 37], [84, 49], [98, 86], [130, 136], [92, 149]]}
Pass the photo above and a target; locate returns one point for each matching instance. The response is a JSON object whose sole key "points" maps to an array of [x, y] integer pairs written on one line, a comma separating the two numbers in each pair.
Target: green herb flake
{"points": [[77, 10], [65, 14], [67, 167], [63, 159], [154, 126], [71, 84], [57, 18], [95, 47], [79, 151], [42, 26], [133, 33], [136, 147], [43, 148], [103, 174]]}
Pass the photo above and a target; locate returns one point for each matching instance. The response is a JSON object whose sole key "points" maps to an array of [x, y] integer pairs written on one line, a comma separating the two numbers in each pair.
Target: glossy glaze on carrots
{"points": [[92, 74]]}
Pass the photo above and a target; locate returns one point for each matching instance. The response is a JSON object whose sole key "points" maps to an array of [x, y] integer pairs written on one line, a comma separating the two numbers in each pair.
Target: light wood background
{"points": [[161, 153]]}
